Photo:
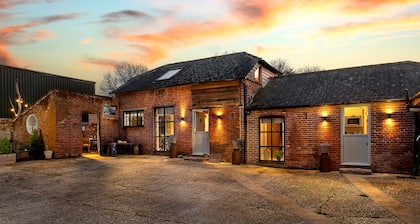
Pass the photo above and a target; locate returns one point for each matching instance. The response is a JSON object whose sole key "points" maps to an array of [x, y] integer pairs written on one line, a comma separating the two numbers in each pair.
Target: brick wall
{"points": [[179, 97], [305, 130], [392, 138], [59, 116], [221, 131]]}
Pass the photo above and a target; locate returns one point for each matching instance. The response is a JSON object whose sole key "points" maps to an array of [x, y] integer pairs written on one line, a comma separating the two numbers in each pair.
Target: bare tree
{"points": [[123, 72], [283, 66], [309, 68]]}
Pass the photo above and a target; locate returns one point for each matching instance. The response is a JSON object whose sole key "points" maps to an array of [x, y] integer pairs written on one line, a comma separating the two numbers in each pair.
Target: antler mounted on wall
{"points": [[19, 102]]}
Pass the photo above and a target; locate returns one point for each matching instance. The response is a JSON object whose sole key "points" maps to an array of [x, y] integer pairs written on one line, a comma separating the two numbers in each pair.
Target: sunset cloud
{"points": [[99, 61], [123, 15], [374, 26], [86, 40], [55, 18], [10, 3], [245, 16]]}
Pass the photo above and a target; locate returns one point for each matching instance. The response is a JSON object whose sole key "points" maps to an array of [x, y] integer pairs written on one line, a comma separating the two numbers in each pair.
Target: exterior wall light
{"points": [[324, 118], [182, 119], [389, 115], [219, 117]]}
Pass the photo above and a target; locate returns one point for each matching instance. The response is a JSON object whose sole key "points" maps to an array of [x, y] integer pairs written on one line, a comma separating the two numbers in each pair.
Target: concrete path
{"points": [[408, 215], [282, 201], [156, 189]]}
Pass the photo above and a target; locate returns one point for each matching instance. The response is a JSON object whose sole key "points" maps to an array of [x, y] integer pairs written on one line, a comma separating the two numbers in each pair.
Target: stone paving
{"points": [[155, 189]]}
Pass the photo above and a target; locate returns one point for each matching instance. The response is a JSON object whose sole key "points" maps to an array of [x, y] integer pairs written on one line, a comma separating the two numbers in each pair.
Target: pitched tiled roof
{"points": [[219, 68], [349, 85]]}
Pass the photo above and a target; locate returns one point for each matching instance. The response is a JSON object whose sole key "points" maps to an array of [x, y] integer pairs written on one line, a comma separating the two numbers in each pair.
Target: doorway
{"points": [[355, 138], [200, 141]]}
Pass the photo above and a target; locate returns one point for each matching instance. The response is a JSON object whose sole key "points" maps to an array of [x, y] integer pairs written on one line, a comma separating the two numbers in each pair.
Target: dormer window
{"points": [[169, 74]]}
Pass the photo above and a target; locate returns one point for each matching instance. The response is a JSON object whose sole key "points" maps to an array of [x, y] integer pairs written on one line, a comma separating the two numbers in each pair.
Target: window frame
{"points": [[281, 135], [161, 136], [139, 118]]}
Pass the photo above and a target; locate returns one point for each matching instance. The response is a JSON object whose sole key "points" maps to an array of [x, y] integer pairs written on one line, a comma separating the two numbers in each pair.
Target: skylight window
{"points": [[169, 74]]}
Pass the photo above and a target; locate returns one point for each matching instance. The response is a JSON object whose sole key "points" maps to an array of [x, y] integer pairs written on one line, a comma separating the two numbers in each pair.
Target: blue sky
{"points": [[84, 39]]}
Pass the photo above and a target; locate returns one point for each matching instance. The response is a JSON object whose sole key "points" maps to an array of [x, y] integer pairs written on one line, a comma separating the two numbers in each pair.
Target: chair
{"points": [[85, 144]]}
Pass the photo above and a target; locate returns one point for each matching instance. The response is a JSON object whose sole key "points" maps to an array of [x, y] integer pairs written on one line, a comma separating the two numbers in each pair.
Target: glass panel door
{"points": [[164, 127]]}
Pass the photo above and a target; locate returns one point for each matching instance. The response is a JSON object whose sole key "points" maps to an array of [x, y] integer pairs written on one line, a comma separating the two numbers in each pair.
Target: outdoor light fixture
{"points": [[219, 117], [182, 118], [389, 115], [324, 118]]}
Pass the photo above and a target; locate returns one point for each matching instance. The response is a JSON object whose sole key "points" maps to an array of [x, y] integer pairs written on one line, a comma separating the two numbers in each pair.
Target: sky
{"points": [[85, 38]]}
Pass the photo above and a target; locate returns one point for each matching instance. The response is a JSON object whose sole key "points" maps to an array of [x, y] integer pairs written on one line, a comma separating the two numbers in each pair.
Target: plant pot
{"points": [[48, 154], [7, 159], [22, 155], [236, 157]]}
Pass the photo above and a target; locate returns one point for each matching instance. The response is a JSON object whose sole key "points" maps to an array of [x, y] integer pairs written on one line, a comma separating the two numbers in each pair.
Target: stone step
{"points": [[196, 158], [362, 171]]}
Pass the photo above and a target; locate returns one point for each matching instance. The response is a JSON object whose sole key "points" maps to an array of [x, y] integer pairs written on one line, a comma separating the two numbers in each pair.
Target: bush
{"points": [[36, 150], [5, 146]]}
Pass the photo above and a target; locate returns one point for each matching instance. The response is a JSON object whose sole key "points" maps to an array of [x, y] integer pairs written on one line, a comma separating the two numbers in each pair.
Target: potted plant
{"points": [[22, 153], [279, 154], [6, 152], [36, 150]]}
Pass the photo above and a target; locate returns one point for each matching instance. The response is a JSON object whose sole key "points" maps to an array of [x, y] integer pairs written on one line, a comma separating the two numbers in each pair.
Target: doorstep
{"points": [[362, 171]]}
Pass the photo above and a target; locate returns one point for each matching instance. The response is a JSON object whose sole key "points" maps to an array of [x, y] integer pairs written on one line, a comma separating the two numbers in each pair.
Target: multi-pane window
{"points": [[164, 127], [272, 139], [133, 118]]}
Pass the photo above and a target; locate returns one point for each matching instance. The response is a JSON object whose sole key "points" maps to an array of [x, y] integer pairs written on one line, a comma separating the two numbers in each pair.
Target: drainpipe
{"points": [[244, 120]]}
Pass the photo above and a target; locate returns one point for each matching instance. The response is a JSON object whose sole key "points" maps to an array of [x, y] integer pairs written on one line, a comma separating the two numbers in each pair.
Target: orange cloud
{"points": [[100, 61], [369, 6], [86, 40], [5, 56], [388, 25], [4, 4], [245, 17]]}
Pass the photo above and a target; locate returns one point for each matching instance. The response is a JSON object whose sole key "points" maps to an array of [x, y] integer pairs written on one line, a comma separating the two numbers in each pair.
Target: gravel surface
{"points": [[153, 189]]}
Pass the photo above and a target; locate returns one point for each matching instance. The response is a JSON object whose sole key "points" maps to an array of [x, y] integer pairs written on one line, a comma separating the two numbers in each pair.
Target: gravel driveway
{"points": [[155, 189]]}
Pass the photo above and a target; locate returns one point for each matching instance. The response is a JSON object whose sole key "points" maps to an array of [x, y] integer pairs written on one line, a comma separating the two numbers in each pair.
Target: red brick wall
{"points": [[305, 130], [179, 97], [392, 138], [221, 131], [59, 116]]}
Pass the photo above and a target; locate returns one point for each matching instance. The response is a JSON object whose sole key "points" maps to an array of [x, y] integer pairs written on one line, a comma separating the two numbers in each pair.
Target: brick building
{"points": [[201, 102], [33, 85], [67, 120], [361, 112]]}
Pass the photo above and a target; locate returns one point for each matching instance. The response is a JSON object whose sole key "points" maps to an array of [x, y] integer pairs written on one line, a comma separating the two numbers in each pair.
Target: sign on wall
{"points": [[31, 123]]}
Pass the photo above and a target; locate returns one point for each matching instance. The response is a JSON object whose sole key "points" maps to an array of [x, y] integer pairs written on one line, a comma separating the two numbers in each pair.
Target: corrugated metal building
{"points": [[33, 85]]}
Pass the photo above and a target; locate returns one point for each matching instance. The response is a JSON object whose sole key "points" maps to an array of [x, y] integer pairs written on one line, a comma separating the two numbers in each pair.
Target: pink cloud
{"points": [[4, 4], [388, 25], [245, 17], [100, 61]]}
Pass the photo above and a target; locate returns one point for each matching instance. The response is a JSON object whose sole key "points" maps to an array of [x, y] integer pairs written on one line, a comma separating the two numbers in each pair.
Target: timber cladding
{"points": [[216, 94]]}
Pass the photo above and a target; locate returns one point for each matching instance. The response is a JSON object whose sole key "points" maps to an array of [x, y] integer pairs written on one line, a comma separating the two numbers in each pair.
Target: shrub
{"points": [[5, 146], [36, 150]]}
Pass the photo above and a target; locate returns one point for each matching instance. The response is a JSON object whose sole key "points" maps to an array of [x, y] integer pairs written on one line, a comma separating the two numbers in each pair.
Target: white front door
{"points": [[201, 144], [355, 137]]}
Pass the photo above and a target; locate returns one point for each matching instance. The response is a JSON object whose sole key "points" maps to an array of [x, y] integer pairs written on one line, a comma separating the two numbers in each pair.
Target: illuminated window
{"points": [[164, 127], [133, 118], [272, 139], [169, 74]]}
